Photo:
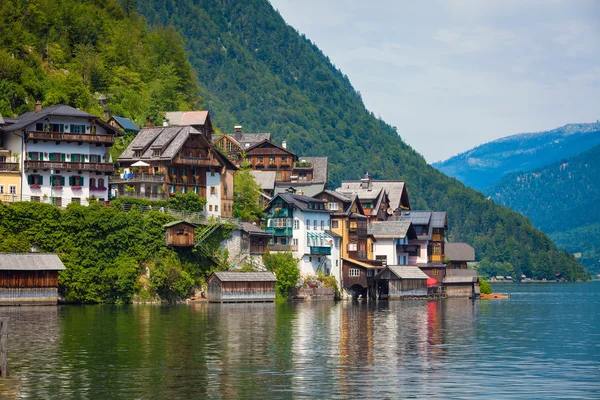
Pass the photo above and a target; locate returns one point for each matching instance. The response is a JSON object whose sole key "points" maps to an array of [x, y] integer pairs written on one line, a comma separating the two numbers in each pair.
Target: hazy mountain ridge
{"points": [[484, 165], [562, 199]]}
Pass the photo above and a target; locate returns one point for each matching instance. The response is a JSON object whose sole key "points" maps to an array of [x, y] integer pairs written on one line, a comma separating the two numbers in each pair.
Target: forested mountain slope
{"points": [[562, 199], [253, 70], [484, 165]]}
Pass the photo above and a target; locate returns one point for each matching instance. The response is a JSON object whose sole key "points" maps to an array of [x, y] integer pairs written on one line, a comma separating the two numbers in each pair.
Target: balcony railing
{"points": [[279, 231], [71, 137], [259, 248], [436, 258], [137, 178], [201, 161], [320, 250], [87, 166], [283, 247], [411, 249], [8, 166], [149, 196]]}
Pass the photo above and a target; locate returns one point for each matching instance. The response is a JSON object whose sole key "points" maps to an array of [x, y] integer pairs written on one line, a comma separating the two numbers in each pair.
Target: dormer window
{"points": [[333, 206], [138, 153], [156, 153]]}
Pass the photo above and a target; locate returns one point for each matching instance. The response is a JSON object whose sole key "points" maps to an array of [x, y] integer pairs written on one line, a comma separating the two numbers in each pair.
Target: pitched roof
{"points": [[362, 193], [459, 252], [417, 217], [388, 229], [359, 263], [269, 142], [299, 201], [319, 166], [438, 219], [253, 229], [407, 272], [30, 262], [60, 110], [187, 117], [265, 179], [170, 224], [126, 123], [394, 189], [460, 276], [239, 276], [308, 188]]}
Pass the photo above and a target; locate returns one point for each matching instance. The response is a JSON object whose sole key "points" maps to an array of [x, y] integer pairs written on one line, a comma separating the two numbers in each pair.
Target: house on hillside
{"points": [[309, 177], [395, 190], [300, 224], [390, 244], [374, 201], [246, 244], [29, 278], [233, 145], [177, 159], [61, 155], [180, 233], [123, 124], [458, 255]]}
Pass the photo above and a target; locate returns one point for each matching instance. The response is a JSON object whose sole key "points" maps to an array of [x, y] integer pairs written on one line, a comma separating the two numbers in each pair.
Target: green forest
{"points": [[243, 63], [562, 199]]}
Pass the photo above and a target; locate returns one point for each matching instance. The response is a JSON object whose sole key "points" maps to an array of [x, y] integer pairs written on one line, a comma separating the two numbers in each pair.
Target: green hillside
{"points": [[254, 70], [562, 199]]}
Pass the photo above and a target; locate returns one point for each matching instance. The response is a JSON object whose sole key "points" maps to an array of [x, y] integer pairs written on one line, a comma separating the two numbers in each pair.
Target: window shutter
{"points": [[64, 157], [30, 179], [62, 181], [41, 156], [51, 180], [41, 179], [81, 179], [70, 181]]}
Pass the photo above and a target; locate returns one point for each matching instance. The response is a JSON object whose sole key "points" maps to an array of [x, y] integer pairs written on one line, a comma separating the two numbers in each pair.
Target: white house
{"points": [[390, 241], [64, 154], [301, 224]]}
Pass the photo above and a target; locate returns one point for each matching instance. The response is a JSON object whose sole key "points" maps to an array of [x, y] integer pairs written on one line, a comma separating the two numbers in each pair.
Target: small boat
{"points": [[493, 296]]}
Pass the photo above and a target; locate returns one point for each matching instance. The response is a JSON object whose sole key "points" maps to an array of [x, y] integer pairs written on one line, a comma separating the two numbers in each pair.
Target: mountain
{"points": [[484, 165], [562, 199], [253, 69]]}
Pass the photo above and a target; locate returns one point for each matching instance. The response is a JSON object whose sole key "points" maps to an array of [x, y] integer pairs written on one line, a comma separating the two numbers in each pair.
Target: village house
{"points": [[165, 160], [461, 283], [246, 245], [300, 224], [458, 255], [397, 195], [233, 145], [180, 234], [29, 278], [374, 200], [390, 242], [61, 155], [123, 124]]}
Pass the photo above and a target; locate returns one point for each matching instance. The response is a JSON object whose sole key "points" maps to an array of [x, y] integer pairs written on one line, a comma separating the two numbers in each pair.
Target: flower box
{"points": [[272, 166], [97, 189], [57, 187], [76, 187], [259, 166], [36, 186]]}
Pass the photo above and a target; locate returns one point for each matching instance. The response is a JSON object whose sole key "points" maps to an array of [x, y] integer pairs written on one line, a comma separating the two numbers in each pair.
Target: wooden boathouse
{"points": [[462, 283], [180, 233], [398, 281], [29, 278], [241, 287]]}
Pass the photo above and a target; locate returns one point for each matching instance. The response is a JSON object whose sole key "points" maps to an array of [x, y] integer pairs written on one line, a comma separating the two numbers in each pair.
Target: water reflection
{"points": [[452, 348]]}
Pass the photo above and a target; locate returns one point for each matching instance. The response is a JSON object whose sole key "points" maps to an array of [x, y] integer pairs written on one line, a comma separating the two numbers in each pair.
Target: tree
{"points": [[247, 196], [188, 202], [484, 286], [285, 267]]}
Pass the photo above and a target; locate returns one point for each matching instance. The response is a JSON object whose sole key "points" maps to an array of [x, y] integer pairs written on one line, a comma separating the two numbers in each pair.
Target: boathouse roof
{"points": [[239, 276], [459, 252], [30, 262]]}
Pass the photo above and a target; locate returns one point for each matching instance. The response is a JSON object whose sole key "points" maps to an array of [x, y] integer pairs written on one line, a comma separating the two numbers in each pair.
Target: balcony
{"points": [[437, 237], [277, 231], [259, 248], [9, 167], [282, 247], [82, 166], [70, 137], [436, 258], [320, 250], [197, 161], [137, 178], [147, 196], [411, 249]]}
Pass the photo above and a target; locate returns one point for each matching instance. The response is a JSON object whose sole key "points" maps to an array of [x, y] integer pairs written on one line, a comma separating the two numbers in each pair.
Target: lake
{"points": [[544, 342]]}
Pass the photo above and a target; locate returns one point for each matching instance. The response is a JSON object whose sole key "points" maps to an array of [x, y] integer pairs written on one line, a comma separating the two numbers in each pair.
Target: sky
{"points": [[453, 74]]}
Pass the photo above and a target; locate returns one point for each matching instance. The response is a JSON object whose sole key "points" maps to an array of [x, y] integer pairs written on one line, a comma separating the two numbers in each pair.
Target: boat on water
{"points": [[493, 296]]}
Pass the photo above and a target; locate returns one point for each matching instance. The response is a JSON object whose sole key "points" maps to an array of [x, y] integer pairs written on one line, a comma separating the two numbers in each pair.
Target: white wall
{"points": [[213, 201], [422, 257]]}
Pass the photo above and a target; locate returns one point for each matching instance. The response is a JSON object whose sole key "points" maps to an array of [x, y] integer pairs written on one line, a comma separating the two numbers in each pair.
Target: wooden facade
{"points": [[401, 281], [180, 234], [29, 278], [241, 287], [269, 156]]}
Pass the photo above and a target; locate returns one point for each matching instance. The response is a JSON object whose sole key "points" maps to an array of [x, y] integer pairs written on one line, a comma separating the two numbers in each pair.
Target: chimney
{"points": [[284, 144], [106, 114], [148, 123], [365, 182], [237, 130], [38, 106], [165, 122]]}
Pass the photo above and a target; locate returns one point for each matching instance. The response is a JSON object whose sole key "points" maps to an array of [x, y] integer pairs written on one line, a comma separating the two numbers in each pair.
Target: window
{"points": [[308, 224], [216, 208], [295, 242], [94, 158], [35, 199], [77, 128], [76, 157], [57, 201], [283, 241], [369, 273], [419, 229], [57, 180], [315, 225], [281, 222], [296, 224], [57, 127], [1, 189], [156, 153], [247, 159], [434, 272], [138, 153], [309, 259], [212, 172], [335, 224], [35, 179], [12, 189], [367, 205], [260, 159], [283, 159], [352, 247], [92, 182], [322, 225], [383, 259], [180, 231], [210, 207], [354, 272], [76, 200], [35, 156], [272, 160], [39, 126], [213, 190], [333, 206], [76, 181]]}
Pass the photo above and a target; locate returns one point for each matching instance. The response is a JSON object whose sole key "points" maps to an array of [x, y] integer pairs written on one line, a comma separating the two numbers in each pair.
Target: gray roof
{"points": [[394, 189], [362, 193], [407, 272], [239, 276], [460, 278], [299, 201], [186, 117], [173, 137], [248, 139], [308, 188], [417, 217], [459, 252], [388, 229], [319, 166], [60, 110], [461, 272], [30, 262], [265, 179], [438, 219], [253, 229], [170, 224]]}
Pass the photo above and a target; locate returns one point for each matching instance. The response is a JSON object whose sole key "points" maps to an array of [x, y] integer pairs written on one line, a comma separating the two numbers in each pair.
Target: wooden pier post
{"points": [[3, 347]]}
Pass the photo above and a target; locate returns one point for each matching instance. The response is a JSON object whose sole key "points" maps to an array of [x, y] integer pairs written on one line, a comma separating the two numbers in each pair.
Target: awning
{"points": [[140, 164], [361, 264], [319, 239]]}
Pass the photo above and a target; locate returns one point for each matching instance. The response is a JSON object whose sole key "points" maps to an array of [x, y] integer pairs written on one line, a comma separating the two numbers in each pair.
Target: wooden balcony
{"points": [[70, 137], [9, 167], [137, 178], [436, 258], [82, 166], [197, 161], [282, 247], [437, 237], [259, 248]]}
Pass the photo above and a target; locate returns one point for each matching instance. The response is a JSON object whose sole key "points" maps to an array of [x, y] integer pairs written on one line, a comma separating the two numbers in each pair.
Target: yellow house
{"points": [[10, 176]]}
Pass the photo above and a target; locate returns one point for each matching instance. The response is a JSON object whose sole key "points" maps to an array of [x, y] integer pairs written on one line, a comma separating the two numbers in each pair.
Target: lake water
{"points": [[544, 342]]}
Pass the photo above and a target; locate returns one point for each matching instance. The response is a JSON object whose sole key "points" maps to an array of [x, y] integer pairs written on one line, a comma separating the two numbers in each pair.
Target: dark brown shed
{"points": [[241, 287], [180, 233], [29, 278]]}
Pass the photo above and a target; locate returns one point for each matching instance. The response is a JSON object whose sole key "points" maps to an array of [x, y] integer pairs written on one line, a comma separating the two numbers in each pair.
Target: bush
{"points": [[484, 286], [285, 267]]}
